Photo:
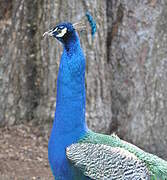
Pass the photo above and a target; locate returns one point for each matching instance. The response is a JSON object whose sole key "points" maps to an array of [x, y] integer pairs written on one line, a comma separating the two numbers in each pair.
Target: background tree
{"points": [[137, 53], [126, 65]]}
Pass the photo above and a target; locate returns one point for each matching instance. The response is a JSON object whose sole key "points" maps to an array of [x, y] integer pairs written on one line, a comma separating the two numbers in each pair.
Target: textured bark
{"points": [[20, 66], [138, 56], [30, 63], [126, 71]]}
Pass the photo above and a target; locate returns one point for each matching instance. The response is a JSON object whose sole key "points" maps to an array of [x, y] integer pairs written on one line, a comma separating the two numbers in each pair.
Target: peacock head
{"points": [[67, 31], [63, 31]]}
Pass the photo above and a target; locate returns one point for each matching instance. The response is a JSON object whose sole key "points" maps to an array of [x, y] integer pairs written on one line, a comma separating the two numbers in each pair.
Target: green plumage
{"points": [[156, 166]]}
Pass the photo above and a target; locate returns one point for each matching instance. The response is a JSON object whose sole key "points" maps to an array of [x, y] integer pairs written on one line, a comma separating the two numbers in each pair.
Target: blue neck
{"points": [[69, 122], [70, 102]]}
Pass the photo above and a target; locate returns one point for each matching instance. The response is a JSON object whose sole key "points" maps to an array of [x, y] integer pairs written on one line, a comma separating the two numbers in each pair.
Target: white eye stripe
{"points": [[63, 31], [55, 29]]}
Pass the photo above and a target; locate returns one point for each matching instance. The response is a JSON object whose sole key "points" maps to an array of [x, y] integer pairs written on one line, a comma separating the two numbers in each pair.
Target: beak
{"points": [[48, 33]]}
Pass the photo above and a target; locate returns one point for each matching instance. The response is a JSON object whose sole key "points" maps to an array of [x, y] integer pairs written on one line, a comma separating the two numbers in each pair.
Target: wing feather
{"points": [[102, 162]]}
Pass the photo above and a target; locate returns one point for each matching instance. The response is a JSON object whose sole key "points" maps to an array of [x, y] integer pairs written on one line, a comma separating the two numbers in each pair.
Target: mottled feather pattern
{"points": [[157, 166], [104, 162]]}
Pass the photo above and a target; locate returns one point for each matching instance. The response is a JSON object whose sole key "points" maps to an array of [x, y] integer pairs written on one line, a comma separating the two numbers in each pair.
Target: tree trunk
{"points": [[138, 43]]}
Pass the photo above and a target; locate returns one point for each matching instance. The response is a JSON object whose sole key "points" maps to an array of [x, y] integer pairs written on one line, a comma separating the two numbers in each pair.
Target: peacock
{"points": [[74, 151]]}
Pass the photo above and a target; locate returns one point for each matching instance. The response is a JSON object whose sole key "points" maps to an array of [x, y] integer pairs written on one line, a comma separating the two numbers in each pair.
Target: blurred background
{"points": [[126, 76]]}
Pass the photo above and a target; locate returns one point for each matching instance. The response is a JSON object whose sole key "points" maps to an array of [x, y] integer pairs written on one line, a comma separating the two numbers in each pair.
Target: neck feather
{"points": [[70, 102], [72, 42]]}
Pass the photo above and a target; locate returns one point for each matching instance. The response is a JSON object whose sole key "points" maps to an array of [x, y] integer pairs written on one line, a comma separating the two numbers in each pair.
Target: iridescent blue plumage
{"points": [[69, 122]]}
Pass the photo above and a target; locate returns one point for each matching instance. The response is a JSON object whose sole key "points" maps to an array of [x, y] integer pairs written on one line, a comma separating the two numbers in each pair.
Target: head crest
{"points": [[81, 25], [92, 23]]}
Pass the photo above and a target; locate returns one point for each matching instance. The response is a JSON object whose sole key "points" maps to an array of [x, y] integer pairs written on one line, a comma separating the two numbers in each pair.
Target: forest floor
{"points": [[23, 153]]}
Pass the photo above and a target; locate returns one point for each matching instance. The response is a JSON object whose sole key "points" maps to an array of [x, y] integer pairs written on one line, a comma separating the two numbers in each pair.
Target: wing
{"points": [[102, 162]]}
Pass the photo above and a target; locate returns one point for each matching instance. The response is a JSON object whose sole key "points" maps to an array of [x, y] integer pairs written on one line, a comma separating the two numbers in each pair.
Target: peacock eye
{"points": [[59, 31]]}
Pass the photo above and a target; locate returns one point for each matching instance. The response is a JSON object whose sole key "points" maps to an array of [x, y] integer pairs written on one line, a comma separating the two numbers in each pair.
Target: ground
{"points": [[23, 153]]}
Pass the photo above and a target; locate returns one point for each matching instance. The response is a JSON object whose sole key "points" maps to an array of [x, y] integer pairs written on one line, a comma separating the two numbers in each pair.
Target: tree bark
{"points": [[137, 53]]}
